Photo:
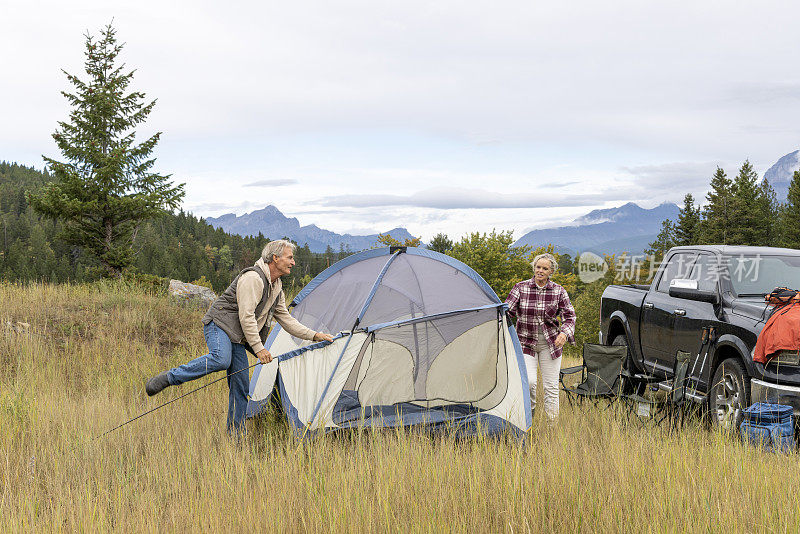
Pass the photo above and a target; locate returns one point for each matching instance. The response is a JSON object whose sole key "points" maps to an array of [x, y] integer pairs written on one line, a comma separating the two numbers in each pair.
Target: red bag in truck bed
{"points": [[782, 332]]}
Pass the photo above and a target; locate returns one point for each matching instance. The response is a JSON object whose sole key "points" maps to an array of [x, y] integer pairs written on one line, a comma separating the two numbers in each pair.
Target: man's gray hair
{"points": [[275, 248], [546, 256]]}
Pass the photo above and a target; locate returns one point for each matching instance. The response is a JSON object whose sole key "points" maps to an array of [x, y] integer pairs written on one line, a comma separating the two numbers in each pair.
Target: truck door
{"points": [[657, 329], [692, 316]]}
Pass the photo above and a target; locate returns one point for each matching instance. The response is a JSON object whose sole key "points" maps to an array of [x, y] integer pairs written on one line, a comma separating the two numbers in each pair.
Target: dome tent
{"points": [[423, 340]]}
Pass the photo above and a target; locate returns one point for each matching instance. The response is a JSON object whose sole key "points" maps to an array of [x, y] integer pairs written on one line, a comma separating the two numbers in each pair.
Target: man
{"points": [[241, 317]]}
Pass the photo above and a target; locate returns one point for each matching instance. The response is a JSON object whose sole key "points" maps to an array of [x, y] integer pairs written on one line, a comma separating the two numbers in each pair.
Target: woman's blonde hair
{"points": [[546, 256]]}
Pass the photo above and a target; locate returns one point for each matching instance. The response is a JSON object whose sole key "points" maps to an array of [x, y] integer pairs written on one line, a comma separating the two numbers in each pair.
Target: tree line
{"points": [[738, 211], [172, 245]]}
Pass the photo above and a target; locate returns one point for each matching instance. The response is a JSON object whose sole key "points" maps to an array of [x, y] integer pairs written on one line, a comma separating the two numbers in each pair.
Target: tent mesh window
{"points": [[444, 364], [413, 286]]}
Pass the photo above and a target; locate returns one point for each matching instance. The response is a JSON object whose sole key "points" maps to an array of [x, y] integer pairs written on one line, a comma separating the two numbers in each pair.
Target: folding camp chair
{"points": [[635, 382], [671, 410], [601, 373]]}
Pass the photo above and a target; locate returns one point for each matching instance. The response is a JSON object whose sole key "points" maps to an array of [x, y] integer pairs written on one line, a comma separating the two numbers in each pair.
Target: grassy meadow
{"points": [[78, 366]]}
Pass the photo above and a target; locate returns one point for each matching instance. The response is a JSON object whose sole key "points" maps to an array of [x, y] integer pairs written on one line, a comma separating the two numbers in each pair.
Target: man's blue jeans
{"points": [[223, 355]]}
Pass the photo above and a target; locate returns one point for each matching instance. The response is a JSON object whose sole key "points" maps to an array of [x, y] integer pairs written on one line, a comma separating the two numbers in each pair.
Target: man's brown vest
{"points": [[225, 310]]}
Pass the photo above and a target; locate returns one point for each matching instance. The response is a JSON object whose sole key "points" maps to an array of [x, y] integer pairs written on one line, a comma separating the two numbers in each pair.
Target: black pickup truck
{"points": [[696, 288]]}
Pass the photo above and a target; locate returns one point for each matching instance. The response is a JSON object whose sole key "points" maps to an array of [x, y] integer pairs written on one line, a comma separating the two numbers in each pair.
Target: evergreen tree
{"points": [[566, 264], [441, 243], [105, 188], [688, 225], [174, 245], [225, 257], [664, 241], [768, 208], [716, 223], [790, 215], [747, 226]]}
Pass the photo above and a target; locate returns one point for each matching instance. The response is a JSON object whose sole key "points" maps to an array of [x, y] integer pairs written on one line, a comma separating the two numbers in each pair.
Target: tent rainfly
{"points": [[422, 340]]}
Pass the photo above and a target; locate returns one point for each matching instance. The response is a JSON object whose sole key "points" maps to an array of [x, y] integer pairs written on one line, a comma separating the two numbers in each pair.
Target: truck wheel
{"points": [[620, 341], [729, 395]]}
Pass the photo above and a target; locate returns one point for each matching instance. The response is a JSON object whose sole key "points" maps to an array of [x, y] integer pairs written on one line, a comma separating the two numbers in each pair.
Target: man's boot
{"points": [[157, 383]]}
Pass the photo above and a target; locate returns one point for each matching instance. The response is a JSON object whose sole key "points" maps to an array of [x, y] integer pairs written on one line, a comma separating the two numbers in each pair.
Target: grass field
{"points": [[78, 368]]}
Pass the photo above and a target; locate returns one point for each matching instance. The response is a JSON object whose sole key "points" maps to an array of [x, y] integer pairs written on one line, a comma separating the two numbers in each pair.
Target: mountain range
{"points": [[627, 228], [630, 228], [273, 224]]}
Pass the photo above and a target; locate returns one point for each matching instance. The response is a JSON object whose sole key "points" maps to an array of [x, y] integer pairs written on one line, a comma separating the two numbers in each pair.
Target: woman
{"points": [[537, 303]]}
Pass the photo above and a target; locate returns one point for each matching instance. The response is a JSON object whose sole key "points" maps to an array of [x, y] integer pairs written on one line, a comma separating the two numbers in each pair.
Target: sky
{"points": [[437, 116]]}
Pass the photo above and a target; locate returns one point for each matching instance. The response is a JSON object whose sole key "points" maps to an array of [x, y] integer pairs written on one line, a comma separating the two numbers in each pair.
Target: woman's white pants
{"points": [[549, 369]]}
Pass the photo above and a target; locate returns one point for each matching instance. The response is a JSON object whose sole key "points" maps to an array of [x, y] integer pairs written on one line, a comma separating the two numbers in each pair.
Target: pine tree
{"points": [[688, 225], [747, 226], [790, 215], [716, 223], [768, 208], [105, 188], [664, 241]]}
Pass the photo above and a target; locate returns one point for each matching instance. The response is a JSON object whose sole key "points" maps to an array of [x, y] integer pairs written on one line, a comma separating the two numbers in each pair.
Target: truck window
{"points": [[679, 265], [706, 271], [757, 275]]}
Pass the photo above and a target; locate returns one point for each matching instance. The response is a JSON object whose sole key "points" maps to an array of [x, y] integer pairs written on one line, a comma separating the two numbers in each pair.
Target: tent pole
{"points": [[367, 302]]}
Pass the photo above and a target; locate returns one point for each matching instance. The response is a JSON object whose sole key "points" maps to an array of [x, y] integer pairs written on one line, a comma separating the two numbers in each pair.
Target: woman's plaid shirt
{"points": [[539, 308]]}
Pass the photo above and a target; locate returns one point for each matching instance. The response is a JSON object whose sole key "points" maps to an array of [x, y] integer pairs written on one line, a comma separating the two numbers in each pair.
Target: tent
{"points": [[420, 339]]}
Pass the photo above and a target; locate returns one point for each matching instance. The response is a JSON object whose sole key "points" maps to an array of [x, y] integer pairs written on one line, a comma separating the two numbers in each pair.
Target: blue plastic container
{"points": [[770, 426]]}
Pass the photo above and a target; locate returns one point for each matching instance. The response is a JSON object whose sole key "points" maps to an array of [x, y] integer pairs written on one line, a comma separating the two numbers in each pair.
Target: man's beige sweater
{"points": [[249, 289]]}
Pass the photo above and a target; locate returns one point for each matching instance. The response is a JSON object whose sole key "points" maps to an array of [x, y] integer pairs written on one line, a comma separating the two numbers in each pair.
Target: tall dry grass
{"points": [[79, 369]]}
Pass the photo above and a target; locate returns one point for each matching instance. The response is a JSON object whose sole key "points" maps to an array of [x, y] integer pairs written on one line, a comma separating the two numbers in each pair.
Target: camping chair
{"points": [[635, 382], [601, 373], [676, 400], [647, 409]]}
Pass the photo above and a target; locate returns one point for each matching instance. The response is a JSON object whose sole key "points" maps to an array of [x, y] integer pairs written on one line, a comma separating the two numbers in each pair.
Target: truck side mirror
{"points": [[682, 288]]}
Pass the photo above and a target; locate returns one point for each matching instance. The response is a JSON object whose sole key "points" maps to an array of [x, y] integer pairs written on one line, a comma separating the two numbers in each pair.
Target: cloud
{"points": [[766, 93], [682, 177], [277, 182], [447, 198], [206, 208]]}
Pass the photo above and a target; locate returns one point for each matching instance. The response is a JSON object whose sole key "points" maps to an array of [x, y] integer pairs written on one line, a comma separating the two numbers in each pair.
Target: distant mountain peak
{"points": [[781, 173], [630, 209], [626, 228], [273, 224], [272, 210]]}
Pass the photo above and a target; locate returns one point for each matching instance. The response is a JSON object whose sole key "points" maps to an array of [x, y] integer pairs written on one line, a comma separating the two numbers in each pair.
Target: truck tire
{"points": [[729, 395]]}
